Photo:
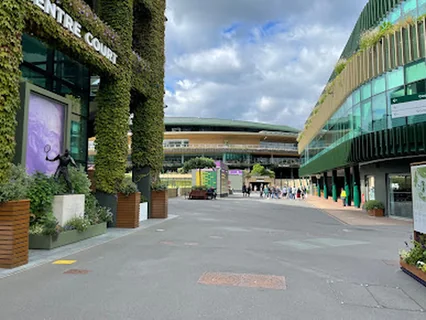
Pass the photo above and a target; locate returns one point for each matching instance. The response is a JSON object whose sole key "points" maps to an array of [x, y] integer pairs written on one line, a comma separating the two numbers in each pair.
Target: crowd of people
{"points": [[275, 192]]}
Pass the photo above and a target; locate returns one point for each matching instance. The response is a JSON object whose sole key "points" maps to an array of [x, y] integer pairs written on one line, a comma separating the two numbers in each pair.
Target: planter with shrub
{"points": [[128, 205], [45, 231], [413, 260], [198, 192], [374, 208], [14, 219], [159, 201]]}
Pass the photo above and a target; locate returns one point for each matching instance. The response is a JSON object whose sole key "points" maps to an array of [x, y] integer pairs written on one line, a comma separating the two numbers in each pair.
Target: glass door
{"points": [[370, 191], [400, 196]]}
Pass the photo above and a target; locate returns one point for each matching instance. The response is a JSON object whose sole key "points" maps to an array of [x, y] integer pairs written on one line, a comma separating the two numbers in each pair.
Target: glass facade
{"points": [[368, 109], [54, 71]]}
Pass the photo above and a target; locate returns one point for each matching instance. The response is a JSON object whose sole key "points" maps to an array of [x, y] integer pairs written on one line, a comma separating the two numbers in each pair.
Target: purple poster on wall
{"points": [[46, 122]]}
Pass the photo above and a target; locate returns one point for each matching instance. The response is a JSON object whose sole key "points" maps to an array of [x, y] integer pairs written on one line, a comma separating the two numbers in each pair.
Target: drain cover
{"points": [[76, 271]]}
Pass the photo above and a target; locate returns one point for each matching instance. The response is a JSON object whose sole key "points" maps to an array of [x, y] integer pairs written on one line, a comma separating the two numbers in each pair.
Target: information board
{"points": [[411, 105], [418, 177]]}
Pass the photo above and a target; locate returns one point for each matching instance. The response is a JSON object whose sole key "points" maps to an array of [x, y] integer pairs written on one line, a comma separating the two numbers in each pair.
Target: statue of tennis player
{"points": [[62, 170]]}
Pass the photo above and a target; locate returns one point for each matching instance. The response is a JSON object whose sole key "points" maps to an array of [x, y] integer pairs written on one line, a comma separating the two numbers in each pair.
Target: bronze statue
{"points": [[62, 170]]}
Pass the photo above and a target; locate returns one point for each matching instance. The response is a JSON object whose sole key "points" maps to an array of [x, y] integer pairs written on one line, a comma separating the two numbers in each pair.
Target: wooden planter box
{"points": [[14, 225], [376, 213], [159, 204], [66, 237], [128, 208], [198, 194], [412, 271]]}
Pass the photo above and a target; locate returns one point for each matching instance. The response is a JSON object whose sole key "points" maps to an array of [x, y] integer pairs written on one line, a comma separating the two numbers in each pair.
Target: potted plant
{"points": [[128, 205], [413, 259], [159, 200], [14, 219], [198, 192], [45, 230], [374, 208]]}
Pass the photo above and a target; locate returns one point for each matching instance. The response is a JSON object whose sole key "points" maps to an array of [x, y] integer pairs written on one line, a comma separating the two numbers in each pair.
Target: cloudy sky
{"points": [[258, 60]]}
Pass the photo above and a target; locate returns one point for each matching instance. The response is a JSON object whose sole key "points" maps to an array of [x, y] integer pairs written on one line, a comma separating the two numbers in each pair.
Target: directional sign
{"points": [[406, 106]]}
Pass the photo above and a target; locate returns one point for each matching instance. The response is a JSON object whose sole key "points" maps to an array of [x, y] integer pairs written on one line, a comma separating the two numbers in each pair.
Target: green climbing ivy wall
{"points": [[11, 27], [140, 72], [111, 123], [148, 120]]}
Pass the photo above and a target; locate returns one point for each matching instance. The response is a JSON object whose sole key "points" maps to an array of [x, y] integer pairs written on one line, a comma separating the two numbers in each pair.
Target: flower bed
{"points": [[413, 259], [48, 242]]}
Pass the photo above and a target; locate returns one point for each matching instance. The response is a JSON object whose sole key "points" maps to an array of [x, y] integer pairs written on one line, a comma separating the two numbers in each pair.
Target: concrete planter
{"points": [[66, 237], [376, 212], [159, 204], [68, 206], [412, 271], [14, 225], [128, 210]]}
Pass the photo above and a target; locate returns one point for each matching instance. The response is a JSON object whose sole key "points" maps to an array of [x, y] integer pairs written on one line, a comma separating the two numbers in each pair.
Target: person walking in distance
{"points": [[343, 196]]}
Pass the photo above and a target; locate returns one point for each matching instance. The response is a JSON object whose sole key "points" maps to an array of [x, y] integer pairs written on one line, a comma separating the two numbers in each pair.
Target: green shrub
{"points": [[78, 223], [373, 204], [49, 224], [158, 186], [79, 180], [41, 192], [17, 186], [128, 187], [199, 188], [340, 66]]}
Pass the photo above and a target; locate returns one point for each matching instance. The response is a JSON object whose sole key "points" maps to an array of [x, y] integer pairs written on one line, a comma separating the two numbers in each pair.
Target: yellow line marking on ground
{"points": [[64, 261]]}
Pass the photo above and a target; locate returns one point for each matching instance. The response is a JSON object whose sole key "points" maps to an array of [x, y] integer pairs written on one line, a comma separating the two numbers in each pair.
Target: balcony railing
{"points": [[289, 162], [232, 147]]}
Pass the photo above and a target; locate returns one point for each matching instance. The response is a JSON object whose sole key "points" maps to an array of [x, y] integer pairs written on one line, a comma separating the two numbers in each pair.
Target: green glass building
{"points": [[369, 124]]}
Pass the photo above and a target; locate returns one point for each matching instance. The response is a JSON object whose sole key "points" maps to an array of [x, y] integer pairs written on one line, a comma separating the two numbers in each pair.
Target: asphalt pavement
{"points": [[233, 258]]}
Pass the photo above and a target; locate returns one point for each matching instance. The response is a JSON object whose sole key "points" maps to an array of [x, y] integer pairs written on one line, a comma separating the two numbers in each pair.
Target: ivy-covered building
{"points": [[71, 69], [369, 124]]}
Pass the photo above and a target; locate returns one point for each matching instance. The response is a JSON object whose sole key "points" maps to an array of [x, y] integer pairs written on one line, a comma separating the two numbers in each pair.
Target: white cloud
{"points": [[243, 59]]}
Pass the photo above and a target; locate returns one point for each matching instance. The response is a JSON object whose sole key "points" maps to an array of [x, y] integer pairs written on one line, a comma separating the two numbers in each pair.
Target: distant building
{"points": [[238, 144]]}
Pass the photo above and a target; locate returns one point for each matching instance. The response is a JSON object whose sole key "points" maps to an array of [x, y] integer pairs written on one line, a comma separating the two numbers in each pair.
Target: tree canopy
{"points": [[259, 170], [198, 163]]}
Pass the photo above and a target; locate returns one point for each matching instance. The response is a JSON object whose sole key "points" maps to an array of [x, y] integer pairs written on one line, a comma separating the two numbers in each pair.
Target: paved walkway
{"points": [[352, 215], [226, 259]]}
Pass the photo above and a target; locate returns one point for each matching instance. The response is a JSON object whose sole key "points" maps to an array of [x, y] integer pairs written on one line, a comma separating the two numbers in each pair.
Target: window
{"points": [[379, 112], [416, 87], [366, 91], [395, 15], [416, 71], [175, 143], [357, 119], [379, 85], [395, 78], [409, 8], [356, 97], [366, 121]]}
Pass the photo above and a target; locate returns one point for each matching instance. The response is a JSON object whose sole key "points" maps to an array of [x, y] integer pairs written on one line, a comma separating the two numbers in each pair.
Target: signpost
{"points": [[412, 105]]}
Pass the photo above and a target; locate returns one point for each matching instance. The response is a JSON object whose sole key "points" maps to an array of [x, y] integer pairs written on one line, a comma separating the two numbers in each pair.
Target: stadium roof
{"points": [[213, 122]]}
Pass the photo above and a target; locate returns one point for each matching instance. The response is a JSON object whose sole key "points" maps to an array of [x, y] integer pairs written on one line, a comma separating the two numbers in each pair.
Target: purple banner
{"points": [[236, 172], [46, 122]]}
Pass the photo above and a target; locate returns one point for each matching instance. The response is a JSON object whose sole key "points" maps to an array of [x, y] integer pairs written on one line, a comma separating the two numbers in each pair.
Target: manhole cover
{"points": [[243, 280], [76, 271]]}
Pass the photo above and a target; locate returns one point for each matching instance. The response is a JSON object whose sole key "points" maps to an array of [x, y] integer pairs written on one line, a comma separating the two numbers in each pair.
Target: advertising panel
{"points": [[418, 176], [46, 126]]}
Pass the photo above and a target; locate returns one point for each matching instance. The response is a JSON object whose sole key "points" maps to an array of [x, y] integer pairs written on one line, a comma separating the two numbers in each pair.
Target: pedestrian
{"points": [[343, 197], [244, 190]]}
